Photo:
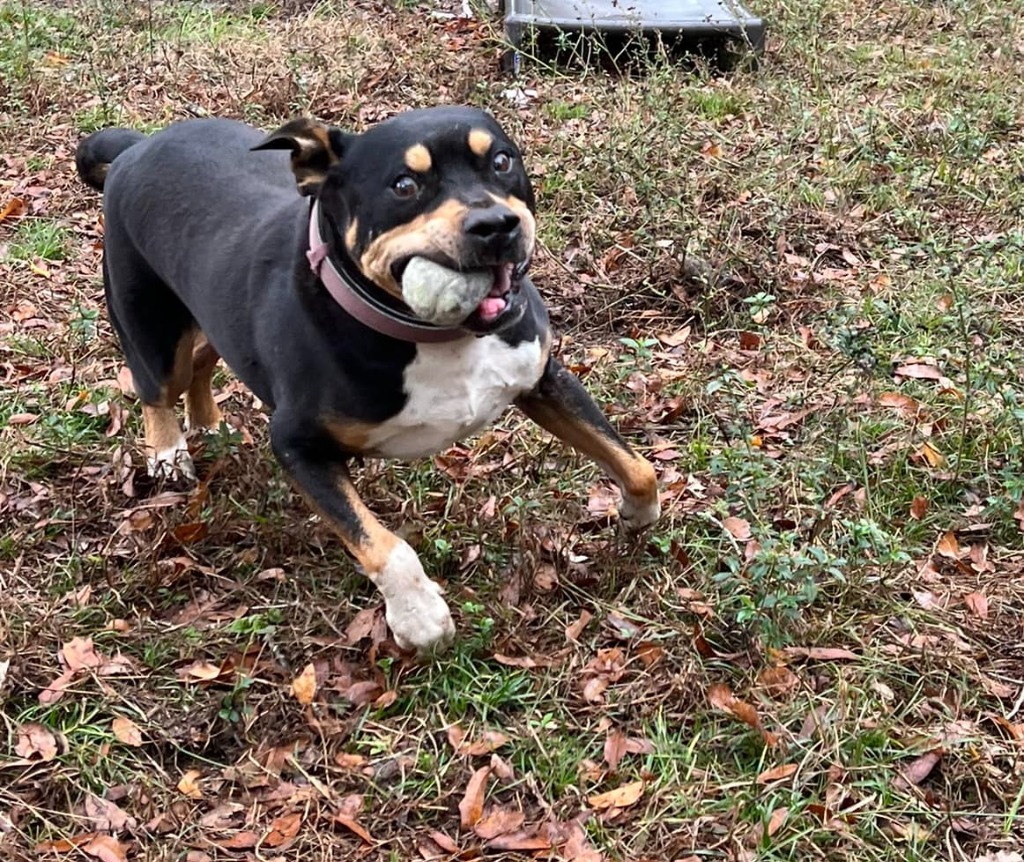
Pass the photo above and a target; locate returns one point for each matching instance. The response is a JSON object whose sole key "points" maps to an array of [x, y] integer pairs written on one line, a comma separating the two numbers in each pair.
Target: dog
{"points": [[214, 249]]}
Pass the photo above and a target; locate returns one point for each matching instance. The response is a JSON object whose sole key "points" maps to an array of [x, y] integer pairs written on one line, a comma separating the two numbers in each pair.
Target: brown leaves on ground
{"points": [[488, 742], [777, 773], [617, 745], [620, 797], [917, 770], [721, 697], [347, 815], [499, 821], [778, 681], [608, 666], [106, 815], [977, 604], [80, 657], [304, 685], [189, 784], [36, 742], [738, 528], [471, 808], [79, 654], [821, 653], [283, 830], [126, 731], [102, 847]]}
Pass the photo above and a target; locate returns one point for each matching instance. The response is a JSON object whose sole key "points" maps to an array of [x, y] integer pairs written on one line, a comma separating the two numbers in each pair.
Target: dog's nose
{"points": [[491, 223]]}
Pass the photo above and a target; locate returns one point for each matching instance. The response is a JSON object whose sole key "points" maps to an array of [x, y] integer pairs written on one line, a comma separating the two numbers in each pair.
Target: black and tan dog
{"points": [[210, 252]]}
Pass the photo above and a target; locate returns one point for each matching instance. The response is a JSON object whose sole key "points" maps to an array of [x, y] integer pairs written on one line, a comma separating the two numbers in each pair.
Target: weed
{"points": [[39, 239]]}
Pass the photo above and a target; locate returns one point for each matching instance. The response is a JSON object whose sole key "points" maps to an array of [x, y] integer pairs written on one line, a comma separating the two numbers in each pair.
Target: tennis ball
{"points": [[440, 295]]}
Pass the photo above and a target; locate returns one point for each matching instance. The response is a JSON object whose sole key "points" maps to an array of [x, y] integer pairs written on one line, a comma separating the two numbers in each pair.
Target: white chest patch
{"points": [[455, 390]]}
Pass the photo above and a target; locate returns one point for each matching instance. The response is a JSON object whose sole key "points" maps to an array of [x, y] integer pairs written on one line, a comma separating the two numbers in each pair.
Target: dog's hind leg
{"points": [[561, 405], [201, 410], [157, 334]]}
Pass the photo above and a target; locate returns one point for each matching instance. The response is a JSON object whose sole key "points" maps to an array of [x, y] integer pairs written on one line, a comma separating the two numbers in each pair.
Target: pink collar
{"points": [[358, 302]]}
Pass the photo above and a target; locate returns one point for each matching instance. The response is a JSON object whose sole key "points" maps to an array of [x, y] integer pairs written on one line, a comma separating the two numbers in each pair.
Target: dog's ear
{"points": [[314, 147]]}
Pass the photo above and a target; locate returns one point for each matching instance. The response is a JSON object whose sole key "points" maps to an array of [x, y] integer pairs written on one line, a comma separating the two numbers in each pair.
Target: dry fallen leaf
{"points": [[918, 508], [361, 626], [721, 697], [36, 742], [105, 848], [127, 731], [352, 825], [777, 774], [919, 371], [903, 404], [107, 816], [244, 840], [917, 770], [649, 653], [577, 846], [78, 654], [778, 681], [304, 685], [443, 841], [13, 207], [349, 761], [523, 840], [822, 653], [499, 821], [594, 688], [471, 808], [573, 632], [779, 816], [614, 748], [490, 741], [932, 456], [620, 797], [977, 603], [502, 769], [189, 784], [737, 527], [283, 829], [948, 546], [202, 671], [55, 690]]}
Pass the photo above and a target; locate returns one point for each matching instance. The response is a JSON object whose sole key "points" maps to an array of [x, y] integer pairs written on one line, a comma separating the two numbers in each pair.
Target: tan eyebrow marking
{"points": [[480, 142], [417, 158]]}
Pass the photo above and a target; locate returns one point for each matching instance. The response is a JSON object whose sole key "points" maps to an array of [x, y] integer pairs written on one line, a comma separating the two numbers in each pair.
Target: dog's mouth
{"points": [[496, 302], [500, 301]]}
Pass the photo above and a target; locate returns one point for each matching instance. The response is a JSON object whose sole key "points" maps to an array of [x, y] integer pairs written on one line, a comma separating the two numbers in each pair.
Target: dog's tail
{"points": [[97, 152]]}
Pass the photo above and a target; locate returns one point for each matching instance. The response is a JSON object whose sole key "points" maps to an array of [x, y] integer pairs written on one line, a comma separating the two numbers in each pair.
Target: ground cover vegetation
{"points": [[797, 287]]}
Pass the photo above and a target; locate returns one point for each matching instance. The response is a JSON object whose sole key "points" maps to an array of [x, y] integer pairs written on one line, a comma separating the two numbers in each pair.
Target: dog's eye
{"points": [[405, 187], [502, 163]]}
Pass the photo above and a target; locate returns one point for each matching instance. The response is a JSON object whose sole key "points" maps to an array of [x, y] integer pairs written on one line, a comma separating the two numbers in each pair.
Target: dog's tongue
{"points": [[491, 307], [495, 302]]}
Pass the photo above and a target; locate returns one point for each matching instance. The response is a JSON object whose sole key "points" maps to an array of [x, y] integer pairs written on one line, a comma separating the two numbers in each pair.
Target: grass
{"points": [[754, 272]]}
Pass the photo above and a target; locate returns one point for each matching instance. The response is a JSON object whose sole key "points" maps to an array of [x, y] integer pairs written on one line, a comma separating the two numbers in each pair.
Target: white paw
{"points": [[419, 618], [636, 513], [173, 463]]}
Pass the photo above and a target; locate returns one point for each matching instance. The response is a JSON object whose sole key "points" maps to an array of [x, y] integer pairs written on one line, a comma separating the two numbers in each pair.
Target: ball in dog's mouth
{"points": [[447, 297]]}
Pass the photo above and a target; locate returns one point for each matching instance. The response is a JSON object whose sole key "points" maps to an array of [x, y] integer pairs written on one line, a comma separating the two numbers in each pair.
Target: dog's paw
{"points": [[173, 463], [636, 514], [206, 425], [419, 618]]}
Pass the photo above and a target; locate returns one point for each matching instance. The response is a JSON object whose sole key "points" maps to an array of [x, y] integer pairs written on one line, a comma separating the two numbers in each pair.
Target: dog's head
{"points": [[445, 183]]}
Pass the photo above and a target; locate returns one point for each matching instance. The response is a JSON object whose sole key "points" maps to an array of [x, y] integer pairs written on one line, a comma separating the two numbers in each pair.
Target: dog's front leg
{"points": [[419, 618], [561, 405]]}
